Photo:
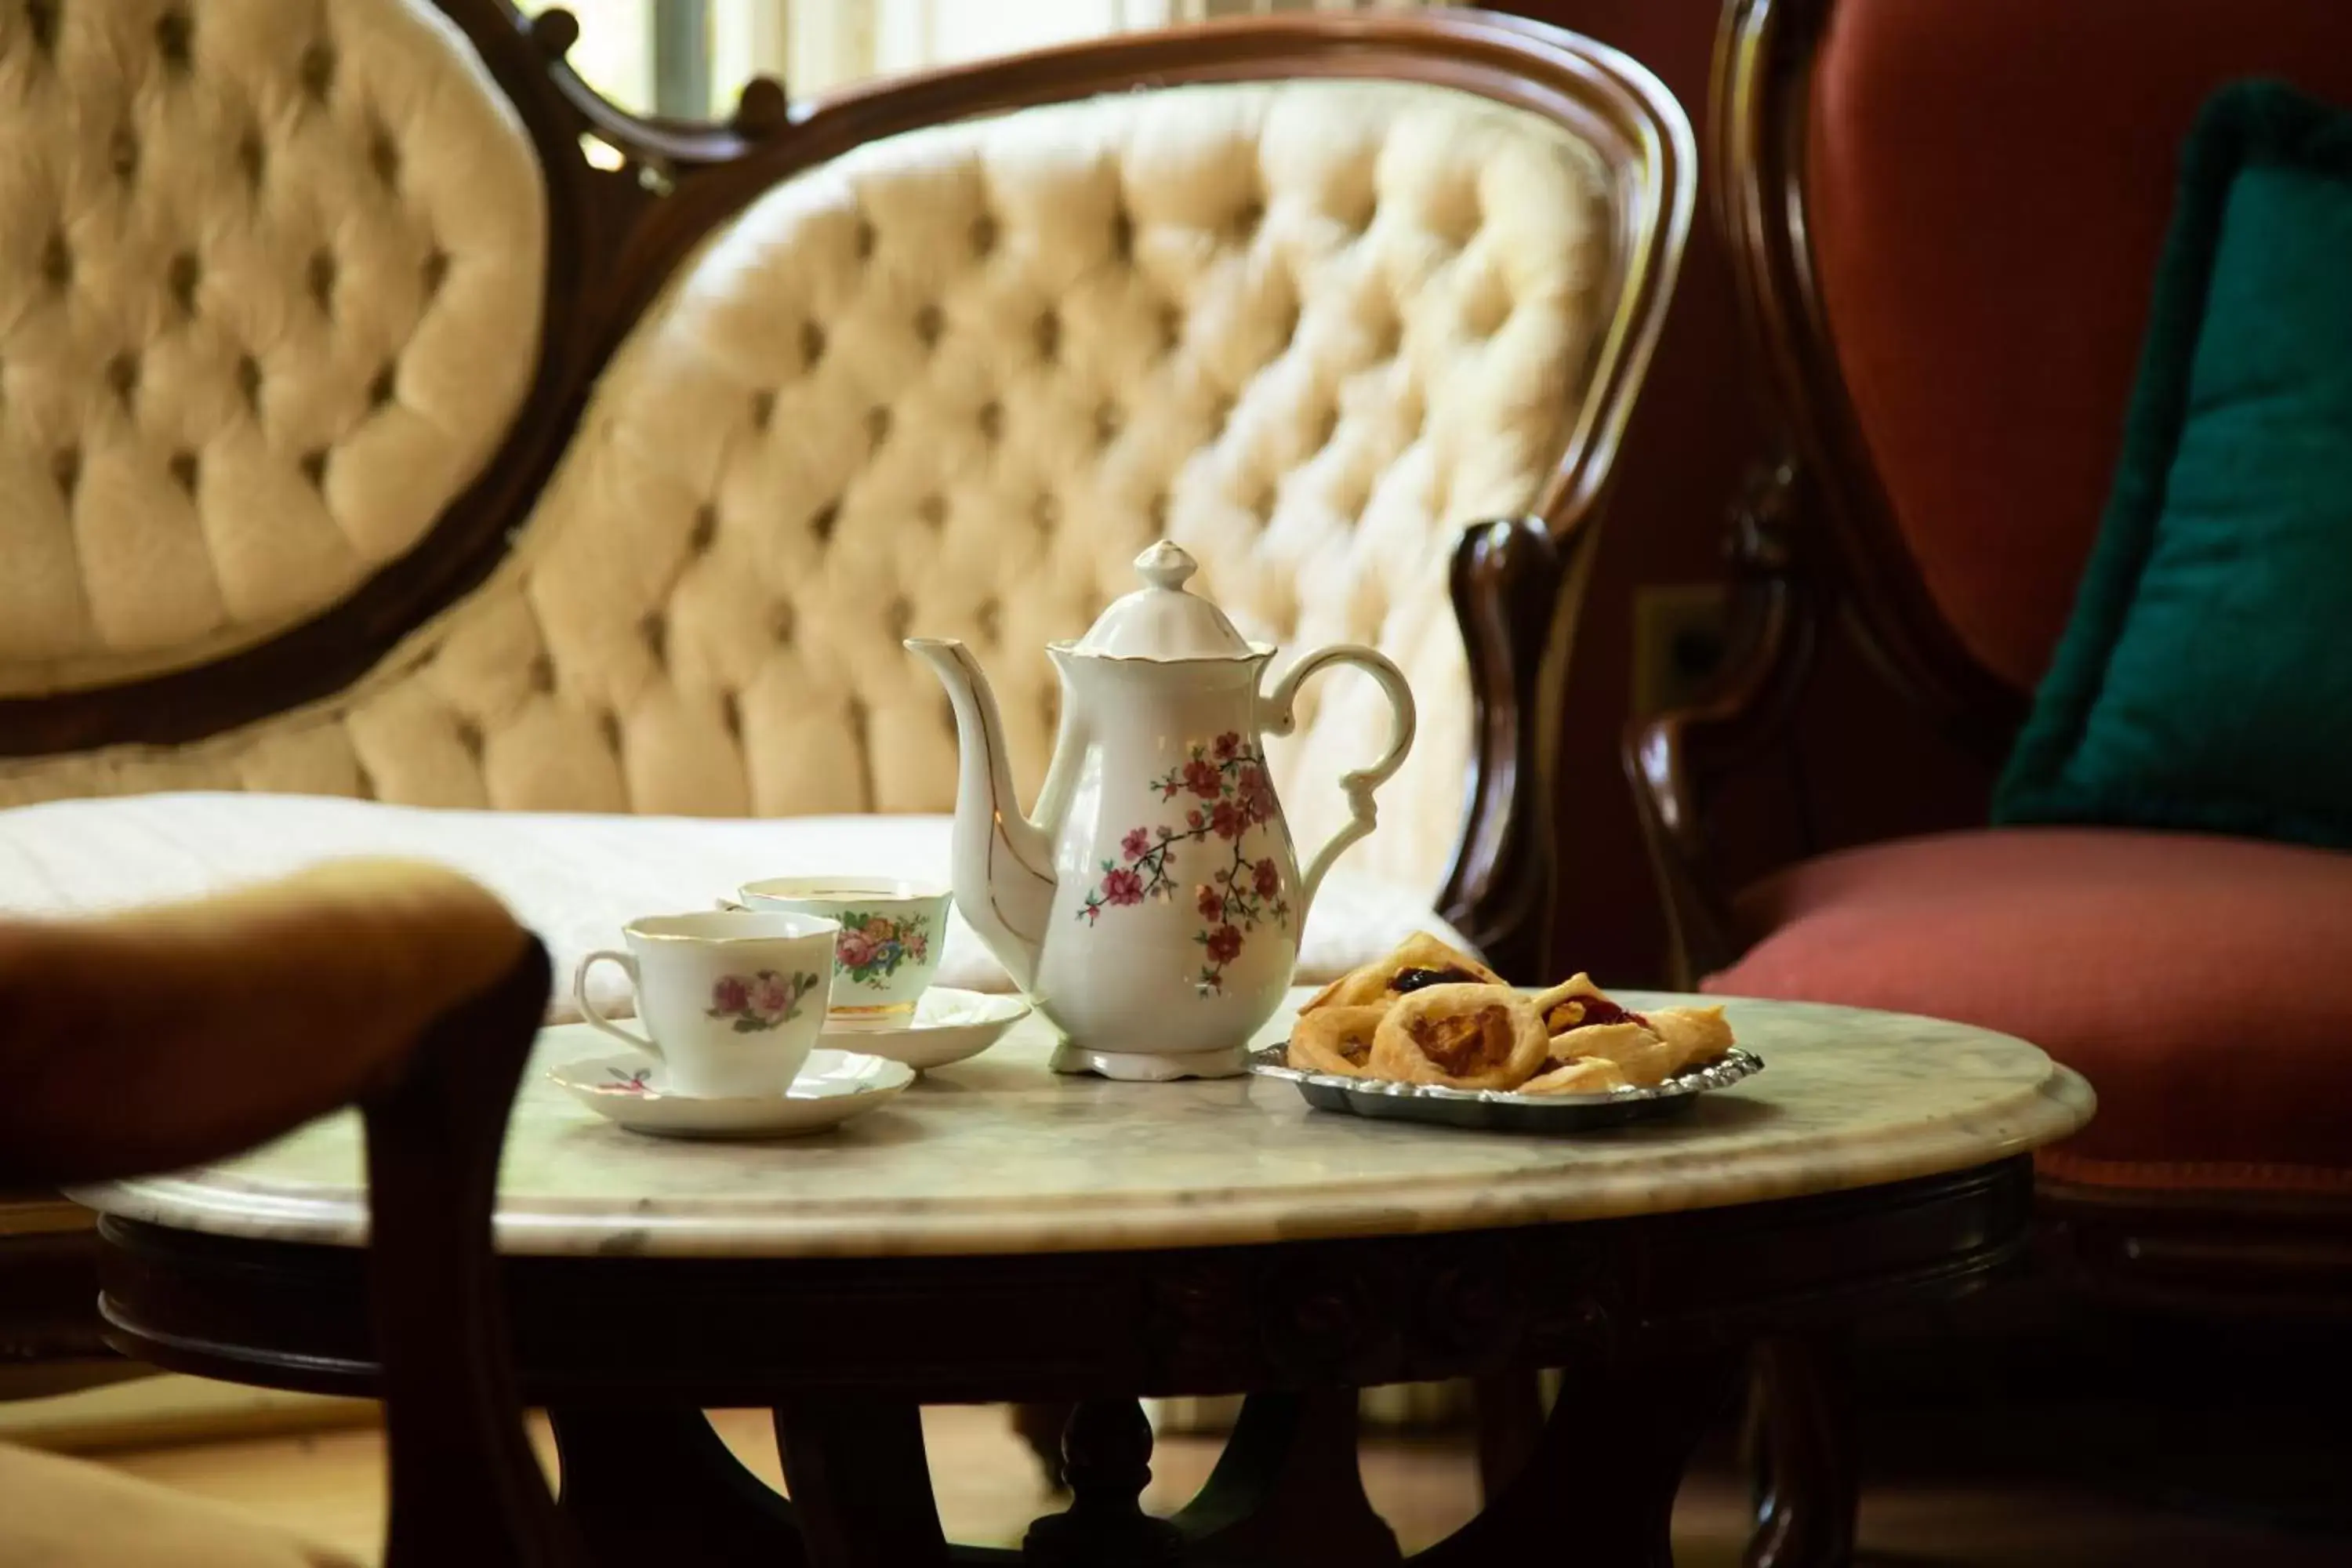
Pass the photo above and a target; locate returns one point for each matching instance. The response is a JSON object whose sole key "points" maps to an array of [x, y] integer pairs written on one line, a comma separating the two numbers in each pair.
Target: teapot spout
{"points": [[1004, 863]]}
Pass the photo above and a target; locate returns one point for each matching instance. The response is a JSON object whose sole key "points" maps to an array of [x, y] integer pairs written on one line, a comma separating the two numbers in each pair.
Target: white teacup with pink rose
{"points": [[731, 1001], [893, 934]]}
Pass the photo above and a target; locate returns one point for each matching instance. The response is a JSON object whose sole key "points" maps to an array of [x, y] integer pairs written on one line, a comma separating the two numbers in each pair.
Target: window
{"points": [[690, 59]]}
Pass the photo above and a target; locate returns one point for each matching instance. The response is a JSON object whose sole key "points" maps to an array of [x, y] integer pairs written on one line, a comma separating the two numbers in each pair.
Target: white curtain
{"points": [[627, 48], [876, 37]]}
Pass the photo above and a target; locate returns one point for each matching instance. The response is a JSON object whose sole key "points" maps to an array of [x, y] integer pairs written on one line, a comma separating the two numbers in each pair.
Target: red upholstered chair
{"points": [[1945, 215]]}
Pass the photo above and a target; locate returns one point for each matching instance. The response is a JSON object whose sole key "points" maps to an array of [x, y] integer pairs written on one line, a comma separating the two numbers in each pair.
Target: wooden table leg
{"points": [[1041, 1427], [860, 1482], [1599, 1490], [1288, 1489], [1805, 1515], [1106, 1457], [656, 1485], [1509, 1409]]}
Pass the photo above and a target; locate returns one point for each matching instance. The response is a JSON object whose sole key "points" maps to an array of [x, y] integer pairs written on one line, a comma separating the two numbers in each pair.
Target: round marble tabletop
{"points": [[999, 1154]]}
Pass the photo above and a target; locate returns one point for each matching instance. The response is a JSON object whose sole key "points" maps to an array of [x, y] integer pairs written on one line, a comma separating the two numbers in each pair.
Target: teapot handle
{"points": [[1358, 784]]}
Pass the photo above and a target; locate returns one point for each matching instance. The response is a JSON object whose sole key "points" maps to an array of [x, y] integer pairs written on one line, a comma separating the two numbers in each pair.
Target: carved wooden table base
{"points": [[1652, 1319], [656, 1484]]}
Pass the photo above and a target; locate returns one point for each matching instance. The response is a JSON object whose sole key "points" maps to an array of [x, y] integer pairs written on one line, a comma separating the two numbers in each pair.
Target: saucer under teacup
{"points": [[833, 1087], [948, 1026]]}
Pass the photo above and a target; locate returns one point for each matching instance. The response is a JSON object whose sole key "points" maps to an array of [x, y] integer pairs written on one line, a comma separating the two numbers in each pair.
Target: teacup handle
{"points": [[1358, 786], [588, 1009]]}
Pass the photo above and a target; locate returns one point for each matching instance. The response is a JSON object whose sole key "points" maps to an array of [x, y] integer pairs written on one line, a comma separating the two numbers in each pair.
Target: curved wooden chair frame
{"points": [[1815, 535]]}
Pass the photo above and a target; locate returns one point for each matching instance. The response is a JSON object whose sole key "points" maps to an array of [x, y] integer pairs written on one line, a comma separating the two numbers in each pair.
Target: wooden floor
{"points": [[329, 1486]]}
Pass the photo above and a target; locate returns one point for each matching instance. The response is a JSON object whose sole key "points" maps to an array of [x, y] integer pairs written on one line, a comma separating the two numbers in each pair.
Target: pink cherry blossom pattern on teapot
{"points": [[1226, 795]]}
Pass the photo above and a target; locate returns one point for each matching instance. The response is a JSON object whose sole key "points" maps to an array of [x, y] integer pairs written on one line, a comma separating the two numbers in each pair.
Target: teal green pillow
{"points": [[2205, 681]]}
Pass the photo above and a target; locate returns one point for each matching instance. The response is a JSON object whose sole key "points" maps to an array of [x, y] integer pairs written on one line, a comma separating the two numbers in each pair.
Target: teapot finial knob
{"points": [[1166, 566], [1161, 621]]}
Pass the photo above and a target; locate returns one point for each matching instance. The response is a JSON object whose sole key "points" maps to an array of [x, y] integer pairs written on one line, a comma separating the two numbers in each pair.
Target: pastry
{"points": [[1463, 1037], [1643, 1056], [1576, 1001], [1586, 1075], [1429, 1013], [1419, 961], [1334, 1040], [1698, 1035]]}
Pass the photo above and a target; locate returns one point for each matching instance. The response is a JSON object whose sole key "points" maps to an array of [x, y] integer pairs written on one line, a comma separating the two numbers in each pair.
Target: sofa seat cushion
{"points": [[71, 1513], [2202, 984], [574, 880]]}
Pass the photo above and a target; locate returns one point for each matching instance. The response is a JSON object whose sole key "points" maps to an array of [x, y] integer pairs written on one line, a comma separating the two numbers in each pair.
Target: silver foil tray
{"points": [[1497, 1111]]}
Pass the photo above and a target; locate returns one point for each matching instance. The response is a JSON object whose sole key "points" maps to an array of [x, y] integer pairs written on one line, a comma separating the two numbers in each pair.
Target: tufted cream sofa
{"points": [[292, 299], [952, 383]]}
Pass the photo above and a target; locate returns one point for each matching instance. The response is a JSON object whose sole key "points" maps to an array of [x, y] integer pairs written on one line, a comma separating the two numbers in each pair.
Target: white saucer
{"points": [[626, 1089], [948, 1026]]}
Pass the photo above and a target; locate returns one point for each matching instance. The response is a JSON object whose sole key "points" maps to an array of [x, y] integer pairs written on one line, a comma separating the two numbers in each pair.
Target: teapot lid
{"points": [[1161, 620]]}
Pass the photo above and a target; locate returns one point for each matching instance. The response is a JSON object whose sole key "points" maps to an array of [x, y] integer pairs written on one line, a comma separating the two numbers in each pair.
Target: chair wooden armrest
{"points": [[1678, 760], [187, 1033], [465, 1484]]}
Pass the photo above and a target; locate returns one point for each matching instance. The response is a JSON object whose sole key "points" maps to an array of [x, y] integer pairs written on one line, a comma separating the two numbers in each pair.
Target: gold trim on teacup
{"points": [[636, 932], [844, 889], [879, 1015]]}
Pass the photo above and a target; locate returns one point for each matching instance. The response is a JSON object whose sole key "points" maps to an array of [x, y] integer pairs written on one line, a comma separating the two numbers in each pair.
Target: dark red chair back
{"points": [[1950, 213]]}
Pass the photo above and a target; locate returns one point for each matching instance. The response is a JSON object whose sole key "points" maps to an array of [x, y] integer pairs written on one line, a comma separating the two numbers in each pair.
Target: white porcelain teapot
{"points": [[1151, 905]]}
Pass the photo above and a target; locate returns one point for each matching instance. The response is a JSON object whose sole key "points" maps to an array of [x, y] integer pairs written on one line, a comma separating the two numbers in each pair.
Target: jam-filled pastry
{"points": [[1577, 1001], [1462, 1037], [1644, 1057], [1698, 1035], [1334, 1040], [1586, 1075], [1418, 963]]}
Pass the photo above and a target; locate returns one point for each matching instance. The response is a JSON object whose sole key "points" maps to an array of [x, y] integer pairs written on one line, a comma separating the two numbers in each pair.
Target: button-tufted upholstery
{"points": [[269, 292], [952, 382]]}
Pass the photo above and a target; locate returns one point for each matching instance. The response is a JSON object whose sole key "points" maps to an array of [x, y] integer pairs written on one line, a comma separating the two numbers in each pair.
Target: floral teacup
{"points": [[732, 1002], [892, 934]]}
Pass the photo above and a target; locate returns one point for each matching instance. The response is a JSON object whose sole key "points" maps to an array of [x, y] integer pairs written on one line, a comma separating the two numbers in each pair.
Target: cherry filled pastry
{"points": [[1427, 1014]]}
